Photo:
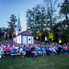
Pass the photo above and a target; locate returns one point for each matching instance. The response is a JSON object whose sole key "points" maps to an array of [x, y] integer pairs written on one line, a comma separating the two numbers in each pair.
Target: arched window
{"points": [[19, 29]]}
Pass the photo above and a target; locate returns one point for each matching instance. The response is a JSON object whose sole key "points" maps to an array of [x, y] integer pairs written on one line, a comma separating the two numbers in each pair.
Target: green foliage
{"points": [[40, 33], [3, 39], [51, 18], [51, 36], [11, 25], [35, 19], [0, 33], [65, 11]]}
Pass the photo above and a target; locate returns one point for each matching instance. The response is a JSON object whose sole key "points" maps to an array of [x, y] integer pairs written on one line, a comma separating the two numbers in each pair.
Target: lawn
{"points": [[47, 62]]}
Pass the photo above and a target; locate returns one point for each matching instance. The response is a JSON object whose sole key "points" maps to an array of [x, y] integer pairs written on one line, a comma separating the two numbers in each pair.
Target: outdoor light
{"points": [[8, 35], [45, 38], [37, 37], [60, 41], [4, 36], [12, 35]]}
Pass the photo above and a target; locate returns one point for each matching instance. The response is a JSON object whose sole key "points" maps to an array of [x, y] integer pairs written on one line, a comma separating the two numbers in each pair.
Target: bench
{"points": [[4, 53], [16, 54]]}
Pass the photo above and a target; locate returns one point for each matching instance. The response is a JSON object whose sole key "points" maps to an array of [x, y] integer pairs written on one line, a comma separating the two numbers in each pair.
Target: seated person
{"points": [[60, 48], [0, 51], [33, 50], [22, 52], [43, 51], [16, 49], [47, 51], [38, 49], [67, 49], [51, 50], [57, 50], [28, 52], [12, 51], [6, 49]]}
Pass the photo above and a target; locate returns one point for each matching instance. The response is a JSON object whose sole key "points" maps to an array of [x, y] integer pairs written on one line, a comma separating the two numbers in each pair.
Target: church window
{"points": [[29, 39], [19, 29]]}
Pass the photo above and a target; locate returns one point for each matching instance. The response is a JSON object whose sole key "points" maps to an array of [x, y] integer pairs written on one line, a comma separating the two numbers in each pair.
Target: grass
{"points": [[47, 62]]}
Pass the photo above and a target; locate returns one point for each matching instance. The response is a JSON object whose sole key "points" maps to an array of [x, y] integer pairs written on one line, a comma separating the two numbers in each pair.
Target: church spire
{"points": [[18, 24], [18, 28]]}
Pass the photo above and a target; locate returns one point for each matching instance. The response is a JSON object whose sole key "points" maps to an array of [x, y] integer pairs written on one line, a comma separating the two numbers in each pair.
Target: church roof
{"points": [[25, 33]]}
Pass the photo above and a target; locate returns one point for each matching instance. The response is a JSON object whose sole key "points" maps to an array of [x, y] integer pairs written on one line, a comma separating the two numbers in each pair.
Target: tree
{"points": [[36, 20], [1, 33], [65, 11], [51, 17], [11, 26], [63, 27]]}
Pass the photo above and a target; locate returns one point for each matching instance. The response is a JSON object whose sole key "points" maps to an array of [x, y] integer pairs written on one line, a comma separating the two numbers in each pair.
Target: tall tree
{"points": [[1, 33], [36, 20], [65, 11], [51, 17], [12, 25]]}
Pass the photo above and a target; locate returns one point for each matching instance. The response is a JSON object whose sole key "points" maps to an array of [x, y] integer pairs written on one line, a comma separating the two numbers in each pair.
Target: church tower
{"points": [[18, 27]]}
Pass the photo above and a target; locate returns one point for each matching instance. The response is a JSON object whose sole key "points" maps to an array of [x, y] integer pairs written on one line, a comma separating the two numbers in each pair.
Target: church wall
{"points": [[32, 40], [29, 40], [14, 39], [24, 40], [19, 39]]}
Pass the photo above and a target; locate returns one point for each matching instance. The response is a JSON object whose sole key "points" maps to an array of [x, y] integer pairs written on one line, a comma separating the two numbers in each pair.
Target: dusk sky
{"points": [[9, 7]]}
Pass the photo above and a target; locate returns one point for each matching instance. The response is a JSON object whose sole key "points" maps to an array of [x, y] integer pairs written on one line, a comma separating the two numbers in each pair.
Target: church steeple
{"points": [[18, 24], [18, 28]]}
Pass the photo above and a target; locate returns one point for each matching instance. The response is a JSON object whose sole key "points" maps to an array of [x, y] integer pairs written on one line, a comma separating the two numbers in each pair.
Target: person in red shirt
{"points": [[67, 49], [6, 49]]}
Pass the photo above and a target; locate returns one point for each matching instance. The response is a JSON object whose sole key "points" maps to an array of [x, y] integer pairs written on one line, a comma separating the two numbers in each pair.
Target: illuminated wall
{"points": [[19, 39], [29, 39], [14, 39], [32, 40], [24, 39]]}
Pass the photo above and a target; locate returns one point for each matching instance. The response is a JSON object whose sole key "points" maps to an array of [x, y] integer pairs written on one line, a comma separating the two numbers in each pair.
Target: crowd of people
{"points": [[34, 50]]}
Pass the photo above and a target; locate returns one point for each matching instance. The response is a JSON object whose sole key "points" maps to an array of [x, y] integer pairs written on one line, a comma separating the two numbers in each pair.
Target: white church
{"points": [[22, 37]]}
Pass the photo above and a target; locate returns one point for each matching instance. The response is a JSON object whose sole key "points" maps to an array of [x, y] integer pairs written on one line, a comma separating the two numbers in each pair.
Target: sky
{"points": [[9, 7]]}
